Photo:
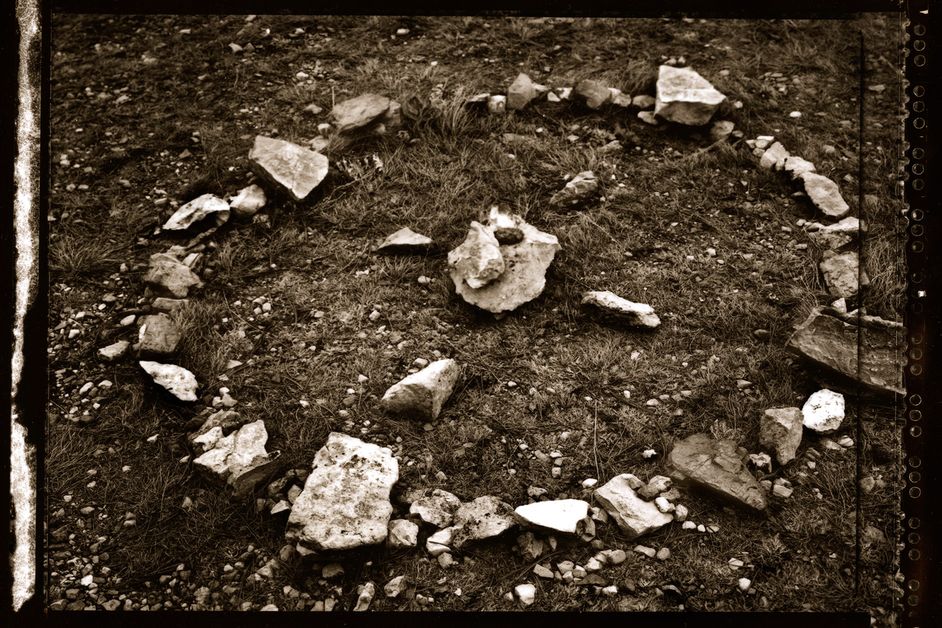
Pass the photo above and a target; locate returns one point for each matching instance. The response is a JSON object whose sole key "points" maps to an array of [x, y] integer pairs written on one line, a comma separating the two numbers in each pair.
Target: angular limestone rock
{"points": [[824, 411], [841, 274], [158, 336], [423, 394], [114, 351], [237, 455], [402, 533], [578, 189], [167, 276], [685, 97], [825, 195], [717, 466], [593, 93], [829, 340], [360, 111], [780, 432], [345, 501], [522, 91], [296, 169], [633, 515], [196, 210], [180, 382], [796, 166], [248, 201], [437, 508], [405, 241], [562, 515], [836, 236], [613, 306], [481, 518], [523, 277], [774, 157], [478, 260]]}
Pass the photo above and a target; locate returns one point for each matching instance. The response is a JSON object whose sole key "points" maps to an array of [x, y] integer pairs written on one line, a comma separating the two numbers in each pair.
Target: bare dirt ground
{"points": [[148, 111]]}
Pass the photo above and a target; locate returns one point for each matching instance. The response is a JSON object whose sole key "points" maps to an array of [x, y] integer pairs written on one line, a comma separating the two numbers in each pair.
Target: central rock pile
{"points": [[296, 169], [685, 97], [501, 277], [345, 501]]}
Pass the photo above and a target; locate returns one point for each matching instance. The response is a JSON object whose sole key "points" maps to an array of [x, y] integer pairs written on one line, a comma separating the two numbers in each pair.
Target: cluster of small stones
{"points": [[351, 476]]}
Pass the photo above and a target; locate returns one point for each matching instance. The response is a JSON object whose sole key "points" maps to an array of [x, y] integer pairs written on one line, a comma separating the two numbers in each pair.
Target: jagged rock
{"points": [[721, 130], [438, 508], [774, 157], [619, 98], [396, 586], [835, 236], [685, 97], [248, 201], [522, 278], [633, 515], [522, 91], [562, 515], [655, 486], [578, 189], [440, 542], [823, 412], [345, 501], [167, 305], [238, 455], [796, 166], [825, 195], [405, 241], [296, 169], [478, 260], [841, 273], [402, 533], [169, 277], [481, 518], [422, 395], [196, 210], [158, 336], [780, 431], [180, 382], [717, 466], [365, 593], [829, 340], [594, 93], [114, 351], [526, 593], [615, 307], [359, 112], [222, 421]]}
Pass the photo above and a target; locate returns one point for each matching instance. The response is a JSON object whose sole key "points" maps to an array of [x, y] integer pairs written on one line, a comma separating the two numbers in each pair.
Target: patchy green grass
{"points": [[548, 376]]}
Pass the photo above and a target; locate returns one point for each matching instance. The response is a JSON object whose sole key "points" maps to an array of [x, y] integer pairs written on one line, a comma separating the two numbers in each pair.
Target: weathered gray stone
{"points": [[685, 97], [825, 195], [643, 101], [522, 91], [358, 112], [562, 515], [296, 169], [405, 241], [717, 466], [167, 276], [248, 201], [396, 586], [829, 341], [437, 508], [345, 501], [593, 93], [633, 515], [402, 533], [422, 395], [522, 278], [613, 306], [796, 166], [238, 457], [168, 305], [197, 210], [780, 431], [841, 273], [178, 381], [774, 157], [578, 189], [478, 260], [481, 518], [158, 336], [114, 351], [823, 412], [835, 236]]}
